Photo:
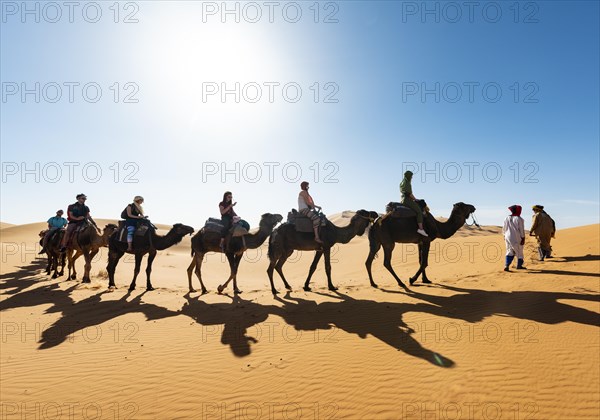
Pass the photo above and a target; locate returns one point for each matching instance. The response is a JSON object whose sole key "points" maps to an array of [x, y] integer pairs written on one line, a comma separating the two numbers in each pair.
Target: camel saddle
{"points": [[303, 223], [398, 210], [141, 230], [215, 225]]}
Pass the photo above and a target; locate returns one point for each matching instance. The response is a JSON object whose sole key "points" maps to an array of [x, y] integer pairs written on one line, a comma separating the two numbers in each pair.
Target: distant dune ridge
{"points": [[479, 343]]}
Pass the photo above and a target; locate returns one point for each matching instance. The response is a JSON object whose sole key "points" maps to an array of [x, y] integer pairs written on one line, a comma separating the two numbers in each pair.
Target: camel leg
{"points": [[387, 262], [113, 260], [236, 264], [328, 269], [196, 263], [373, 249], [270, 270], [72, 258], [151, 256], [279, 268], [87, 267], [190, 270], [61, 257], [49, 265], [136, 270], [230, 258], [423, 260], [54, 265], [312, 269]]}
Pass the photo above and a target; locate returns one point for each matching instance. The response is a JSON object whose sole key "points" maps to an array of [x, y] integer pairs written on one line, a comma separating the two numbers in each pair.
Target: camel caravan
{"points": [[306, 229]]}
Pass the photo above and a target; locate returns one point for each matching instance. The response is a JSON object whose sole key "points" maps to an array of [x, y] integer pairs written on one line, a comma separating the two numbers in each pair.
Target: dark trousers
{"points": [[227, 222]]}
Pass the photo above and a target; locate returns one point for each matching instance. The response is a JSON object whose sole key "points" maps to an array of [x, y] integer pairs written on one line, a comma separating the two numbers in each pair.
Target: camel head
{"points": [[463, 210], [362, 219], [109, 229], [181, 230], [43, 233], [268, 221]]}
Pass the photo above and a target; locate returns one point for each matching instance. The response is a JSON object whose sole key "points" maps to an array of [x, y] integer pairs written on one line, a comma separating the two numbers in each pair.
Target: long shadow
{"points": [[231, 321], [235, 317], [382, 320], [474, 305], [360, 317], [588, 257], [22, 278], [17, 295], [563, 273], [94, 311]]}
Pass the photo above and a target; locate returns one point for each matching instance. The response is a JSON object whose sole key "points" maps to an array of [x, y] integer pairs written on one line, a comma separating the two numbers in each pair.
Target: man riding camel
{"points": [[308, 208], [409, 200], [77, 214], [54, 223]]}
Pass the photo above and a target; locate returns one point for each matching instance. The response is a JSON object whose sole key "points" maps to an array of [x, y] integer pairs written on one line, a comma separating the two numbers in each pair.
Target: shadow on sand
{"points": [[360, 317]]}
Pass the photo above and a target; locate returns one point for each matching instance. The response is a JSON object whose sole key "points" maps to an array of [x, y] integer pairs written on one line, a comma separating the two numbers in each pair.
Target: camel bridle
{"points": [[472, 215]]}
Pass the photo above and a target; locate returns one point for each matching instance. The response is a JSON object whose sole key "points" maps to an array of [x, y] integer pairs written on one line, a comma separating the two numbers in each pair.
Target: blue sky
{"points": [[511, 114]]}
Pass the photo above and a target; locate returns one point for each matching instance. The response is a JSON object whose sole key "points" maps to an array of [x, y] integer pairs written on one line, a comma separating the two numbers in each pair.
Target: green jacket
{"points": [[405, 187]]}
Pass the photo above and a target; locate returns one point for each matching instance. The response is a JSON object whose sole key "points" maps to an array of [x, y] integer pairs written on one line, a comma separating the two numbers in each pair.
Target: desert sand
{"points": [[478, 344]]}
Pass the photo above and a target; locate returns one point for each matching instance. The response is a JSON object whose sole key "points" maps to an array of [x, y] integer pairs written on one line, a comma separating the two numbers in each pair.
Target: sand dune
{"points": [[478, 344]]}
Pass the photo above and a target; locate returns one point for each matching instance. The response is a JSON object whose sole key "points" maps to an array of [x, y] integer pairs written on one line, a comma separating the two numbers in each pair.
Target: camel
{"points": [[208, 241], [87, 243], [55, 257], [404, 230], [286, 239], [148, 244]]}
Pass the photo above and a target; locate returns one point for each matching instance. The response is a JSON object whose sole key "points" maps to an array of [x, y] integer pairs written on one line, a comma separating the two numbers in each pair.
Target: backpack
{"points": [[69, 212], [124, 212]]}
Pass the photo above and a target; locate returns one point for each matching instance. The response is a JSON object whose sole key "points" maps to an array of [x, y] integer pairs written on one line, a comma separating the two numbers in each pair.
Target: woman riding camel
{"points": [[227, 215], [135, 212], [307, 206], [409, 200]]}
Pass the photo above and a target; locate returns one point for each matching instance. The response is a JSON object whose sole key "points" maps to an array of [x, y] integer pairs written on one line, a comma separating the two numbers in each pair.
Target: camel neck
{"points": [[257, 239], [163, 242], [449, 227], [343, 235]]}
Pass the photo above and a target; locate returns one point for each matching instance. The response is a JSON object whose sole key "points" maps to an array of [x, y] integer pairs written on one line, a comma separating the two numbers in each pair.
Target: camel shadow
{"points": [[22, 278], [232, 321], [382, 320], [474, 305], [94, 311], [229, 320]]}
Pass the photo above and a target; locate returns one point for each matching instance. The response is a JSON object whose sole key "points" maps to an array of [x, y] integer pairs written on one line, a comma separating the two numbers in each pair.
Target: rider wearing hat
{"points": [[77, 213]]}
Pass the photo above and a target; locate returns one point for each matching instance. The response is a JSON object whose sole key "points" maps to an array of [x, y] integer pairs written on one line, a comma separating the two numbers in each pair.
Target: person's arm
{"points": [[226, 209], [308, 199], [73, 217], [89, 217], [49, 225], [534, 225], [131, 215], [521, 225]]}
